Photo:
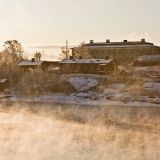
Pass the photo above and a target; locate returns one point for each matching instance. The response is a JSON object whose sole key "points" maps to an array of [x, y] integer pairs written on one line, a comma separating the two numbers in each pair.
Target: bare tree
{"points": [[65, 52], [14, 48], [81, 50], [38, 56], [9, 58]]}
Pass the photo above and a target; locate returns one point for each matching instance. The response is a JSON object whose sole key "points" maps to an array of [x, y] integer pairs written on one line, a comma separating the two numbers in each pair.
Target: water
{"points": [[48, 131]]}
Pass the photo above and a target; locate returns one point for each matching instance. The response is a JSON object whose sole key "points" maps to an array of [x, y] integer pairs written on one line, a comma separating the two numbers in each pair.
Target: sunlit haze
{"points": [[39, 23]]}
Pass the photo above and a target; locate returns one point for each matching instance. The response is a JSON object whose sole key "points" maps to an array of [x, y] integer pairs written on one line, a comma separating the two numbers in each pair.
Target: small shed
{"points": [[27, 65], [124, 73]]}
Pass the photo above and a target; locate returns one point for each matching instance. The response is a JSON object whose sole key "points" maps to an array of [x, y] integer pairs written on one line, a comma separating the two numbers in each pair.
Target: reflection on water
{"points": [[46, 132]]}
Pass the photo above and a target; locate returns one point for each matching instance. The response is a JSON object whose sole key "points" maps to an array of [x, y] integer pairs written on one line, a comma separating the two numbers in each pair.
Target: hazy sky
{"points": [[50, 22]]}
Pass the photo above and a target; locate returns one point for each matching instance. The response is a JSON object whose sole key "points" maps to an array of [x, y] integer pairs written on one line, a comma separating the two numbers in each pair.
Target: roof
{"points": [[3, 80], [121, 68], [149, 58], [98, 61], [30, 63], [120, 44]]}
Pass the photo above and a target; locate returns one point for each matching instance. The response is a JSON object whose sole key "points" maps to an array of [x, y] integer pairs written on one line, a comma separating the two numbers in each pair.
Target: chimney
{"points": [[142, 40], [80, 57], [107, 57], [107, 40], [125, 40], [91, 41], [71, 57], [33, 60]]}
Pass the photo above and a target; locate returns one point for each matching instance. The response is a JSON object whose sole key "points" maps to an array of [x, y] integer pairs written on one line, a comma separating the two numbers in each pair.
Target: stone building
{"points": [[123, 52]]}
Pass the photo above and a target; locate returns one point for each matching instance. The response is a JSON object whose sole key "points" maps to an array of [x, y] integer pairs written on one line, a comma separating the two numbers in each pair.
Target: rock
{"points": [[85, 95]]}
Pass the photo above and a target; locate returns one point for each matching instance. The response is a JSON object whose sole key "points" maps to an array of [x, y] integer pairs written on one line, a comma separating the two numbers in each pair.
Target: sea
{"points": [[50, 53]]}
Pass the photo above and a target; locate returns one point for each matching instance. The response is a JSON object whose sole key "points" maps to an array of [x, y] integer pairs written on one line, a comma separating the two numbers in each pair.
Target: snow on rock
{"points": [[156, 100], [125, 95], [148, 85], [156, 87], [82, 83], [142, 98], [115, 88], [85, 95]]}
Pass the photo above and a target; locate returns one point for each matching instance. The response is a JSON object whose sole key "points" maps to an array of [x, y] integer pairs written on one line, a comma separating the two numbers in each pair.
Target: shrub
{"points": [[32, 82]]}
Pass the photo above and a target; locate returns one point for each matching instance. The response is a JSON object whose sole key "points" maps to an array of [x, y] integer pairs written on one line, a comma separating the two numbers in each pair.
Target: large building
{"points": [[124, 52]]}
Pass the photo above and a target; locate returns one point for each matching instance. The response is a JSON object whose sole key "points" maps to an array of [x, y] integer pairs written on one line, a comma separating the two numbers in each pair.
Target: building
{"points": [[123, 72], [148, 60], [123, 52], [30, 65], [89, 66]]}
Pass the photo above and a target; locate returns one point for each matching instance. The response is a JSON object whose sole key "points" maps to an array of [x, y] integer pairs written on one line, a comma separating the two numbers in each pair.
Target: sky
{"points": [[40, 24]]}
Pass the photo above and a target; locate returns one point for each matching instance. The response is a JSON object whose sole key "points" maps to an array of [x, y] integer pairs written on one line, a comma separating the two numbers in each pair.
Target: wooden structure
{"points": [[89, 66], [149, 60], [31, 65], [124, 73]]}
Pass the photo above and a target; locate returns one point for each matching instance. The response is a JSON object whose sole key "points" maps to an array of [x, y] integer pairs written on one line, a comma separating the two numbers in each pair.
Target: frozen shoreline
{"points": [[67, 100]]}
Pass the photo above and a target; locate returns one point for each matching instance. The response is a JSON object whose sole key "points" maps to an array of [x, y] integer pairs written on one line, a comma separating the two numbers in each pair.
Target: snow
{"points": [[84, 95], [156, 100], [149, 58], [156, 87], [3, 80], [115, 88], [82, 83], [121, 68], [67, 99], [123, 96], [148, 85], [148, 69], [30, 63], [99, 61]]}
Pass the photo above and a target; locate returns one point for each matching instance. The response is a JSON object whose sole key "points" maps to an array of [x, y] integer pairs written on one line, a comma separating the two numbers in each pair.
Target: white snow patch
{"points": [[82, 83], [156, 87], [148, 85], [116, 88]]}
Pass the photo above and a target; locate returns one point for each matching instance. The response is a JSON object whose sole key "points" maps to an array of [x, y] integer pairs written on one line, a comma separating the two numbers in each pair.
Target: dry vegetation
{"points": [[47, 131]]}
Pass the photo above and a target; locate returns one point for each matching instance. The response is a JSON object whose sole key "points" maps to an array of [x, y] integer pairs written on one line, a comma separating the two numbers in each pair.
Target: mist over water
{"points": [[64, 132]]}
